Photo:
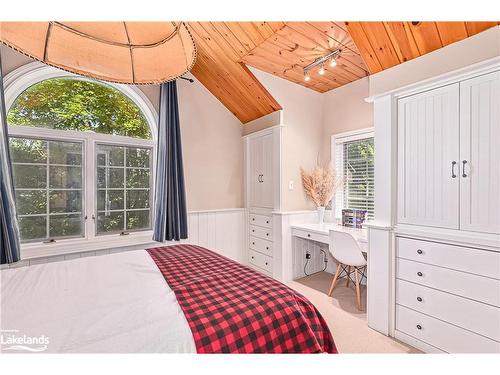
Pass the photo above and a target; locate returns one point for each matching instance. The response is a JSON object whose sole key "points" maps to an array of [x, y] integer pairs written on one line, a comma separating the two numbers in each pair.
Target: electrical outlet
{"points": [[308, 255]]}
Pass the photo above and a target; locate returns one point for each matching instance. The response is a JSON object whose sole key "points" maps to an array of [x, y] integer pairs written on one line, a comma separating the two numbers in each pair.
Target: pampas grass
{"points": [[321, 184]]}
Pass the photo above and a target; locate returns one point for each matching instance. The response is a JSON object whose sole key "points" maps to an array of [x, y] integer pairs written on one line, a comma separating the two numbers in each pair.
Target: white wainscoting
{"points": [[222, 231]]}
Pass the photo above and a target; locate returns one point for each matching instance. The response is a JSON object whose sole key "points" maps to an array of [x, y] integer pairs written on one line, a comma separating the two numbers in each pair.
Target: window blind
{"points": [[354, 162]]}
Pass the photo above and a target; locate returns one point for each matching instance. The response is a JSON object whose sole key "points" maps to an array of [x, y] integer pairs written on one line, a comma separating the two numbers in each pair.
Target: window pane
{"points": [[78, 104], [65, 177], [33, 227], [110, 222], [30, 176], [110, 177], [137, 178], [138, 157], [65, 201], [28, 150], [137, 220], [110, 156], [65, 225], [109, 200], [65, 153], [137, 198], [29, 202]]}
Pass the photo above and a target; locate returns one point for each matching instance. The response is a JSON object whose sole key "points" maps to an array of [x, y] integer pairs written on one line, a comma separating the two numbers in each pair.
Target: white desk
{"points": [[321, 233]]}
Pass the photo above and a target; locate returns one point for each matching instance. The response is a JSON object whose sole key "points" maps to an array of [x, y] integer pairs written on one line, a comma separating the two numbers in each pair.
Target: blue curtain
{"points": [[9, 241], [170, 196]]}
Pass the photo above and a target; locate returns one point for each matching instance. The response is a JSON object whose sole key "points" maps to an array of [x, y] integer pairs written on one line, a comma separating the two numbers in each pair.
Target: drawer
{"points": [[474, 316], [262, 246], [259, 270], [311, 235], [264, 233], [442, 335], [480, 262], [261, 220], [260, 260], [478, 288]]}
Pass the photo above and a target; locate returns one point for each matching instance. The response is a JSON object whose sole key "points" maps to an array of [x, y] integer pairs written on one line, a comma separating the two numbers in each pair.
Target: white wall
{"points": [[211, 139]]}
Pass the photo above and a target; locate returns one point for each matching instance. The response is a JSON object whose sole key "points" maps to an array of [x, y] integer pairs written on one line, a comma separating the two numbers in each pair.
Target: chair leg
{"points": [[334, 280], [358, 291], [348, 276]]}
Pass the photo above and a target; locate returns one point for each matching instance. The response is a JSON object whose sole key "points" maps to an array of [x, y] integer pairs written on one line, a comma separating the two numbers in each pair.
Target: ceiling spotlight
{"points": [[333, 62], [321, 70], [307, 77]]}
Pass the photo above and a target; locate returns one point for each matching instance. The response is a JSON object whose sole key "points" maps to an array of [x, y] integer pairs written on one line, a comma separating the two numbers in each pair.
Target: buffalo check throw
{"points": [[231, 308]]}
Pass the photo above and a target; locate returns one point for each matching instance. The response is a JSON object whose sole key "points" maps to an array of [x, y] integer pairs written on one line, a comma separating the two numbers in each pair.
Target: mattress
{"points": [[116, 303]]}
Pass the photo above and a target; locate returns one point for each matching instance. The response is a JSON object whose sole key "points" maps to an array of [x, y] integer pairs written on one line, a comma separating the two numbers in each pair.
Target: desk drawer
{"points": [[480, 262], [262, 246], [264, 233], [261, 220], [478, 288], [474, 316], [442, 335], [260, 260], [311, 235]]}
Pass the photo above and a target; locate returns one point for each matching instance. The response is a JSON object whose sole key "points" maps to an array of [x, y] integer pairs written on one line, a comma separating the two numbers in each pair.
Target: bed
{"points": [[174, 299]]}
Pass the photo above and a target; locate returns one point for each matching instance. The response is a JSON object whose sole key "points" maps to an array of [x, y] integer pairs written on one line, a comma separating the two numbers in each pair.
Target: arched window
{"points": [[82, 155]]}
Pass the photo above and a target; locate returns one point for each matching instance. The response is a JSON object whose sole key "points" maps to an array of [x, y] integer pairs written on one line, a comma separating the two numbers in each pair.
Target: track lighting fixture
{"points": [[331, 59]]}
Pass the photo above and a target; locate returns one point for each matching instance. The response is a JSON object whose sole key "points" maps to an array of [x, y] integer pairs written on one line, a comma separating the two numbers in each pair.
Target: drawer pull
{"points": [[266, 263], [420, 274], [419, 299], [419, 326], [253, 243], [253, 230], [253, 258], [253, 219], [267, 247], [308, 235], [267, 234], [267, 221], [420, 252]]}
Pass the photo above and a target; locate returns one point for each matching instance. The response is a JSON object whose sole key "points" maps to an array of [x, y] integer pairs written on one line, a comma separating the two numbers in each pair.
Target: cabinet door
{"points": [[255, 154], [480, 154], [428, 156], [267, 171]]}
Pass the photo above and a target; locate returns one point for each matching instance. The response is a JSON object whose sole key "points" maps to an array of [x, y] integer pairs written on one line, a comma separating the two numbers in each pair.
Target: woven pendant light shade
{"points": [[122, 52]]}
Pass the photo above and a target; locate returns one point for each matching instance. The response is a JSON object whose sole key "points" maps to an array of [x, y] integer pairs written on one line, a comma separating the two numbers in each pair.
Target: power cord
{"points": [[308, 256]]}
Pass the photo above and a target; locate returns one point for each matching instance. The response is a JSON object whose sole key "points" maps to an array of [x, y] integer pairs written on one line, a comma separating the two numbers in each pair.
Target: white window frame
{"points": [[338, 140], [18, 81]]}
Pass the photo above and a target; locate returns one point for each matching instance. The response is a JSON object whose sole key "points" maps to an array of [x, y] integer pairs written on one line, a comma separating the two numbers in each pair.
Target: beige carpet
{"points": [[347, 323]]}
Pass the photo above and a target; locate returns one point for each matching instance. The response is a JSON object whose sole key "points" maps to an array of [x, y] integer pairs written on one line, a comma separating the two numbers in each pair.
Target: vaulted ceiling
{"points": [[225, 49]]}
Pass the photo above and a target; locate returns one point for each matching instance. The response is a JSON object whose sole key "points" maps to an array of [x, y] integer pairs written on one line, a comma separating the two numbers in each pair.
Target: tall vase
{"points": [[321, 215]]}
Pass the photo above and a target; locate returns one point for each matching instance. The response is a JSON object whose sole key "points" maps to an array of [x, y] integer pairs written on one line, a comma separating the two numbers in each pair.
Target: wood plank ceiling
{"points": [[285, 48]]}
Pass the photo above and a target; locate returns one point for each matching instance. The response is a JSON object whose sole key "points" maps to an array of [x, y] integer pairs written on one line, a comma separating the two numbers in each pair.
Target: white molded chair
{"points": [[347, 252]]}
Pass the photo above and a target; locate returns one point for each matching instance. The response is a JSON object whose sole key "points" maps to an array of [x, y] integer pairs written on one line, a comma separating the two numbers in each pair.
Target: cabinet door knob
{"points": [[420, 274], [419, 252], [419, 299], [419, 326]]}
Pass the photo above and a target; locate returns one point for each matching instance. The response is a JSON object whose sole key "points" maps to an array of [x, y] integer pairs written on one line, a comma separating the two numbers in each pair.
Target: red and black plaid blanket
{"points": [[231, 308]]}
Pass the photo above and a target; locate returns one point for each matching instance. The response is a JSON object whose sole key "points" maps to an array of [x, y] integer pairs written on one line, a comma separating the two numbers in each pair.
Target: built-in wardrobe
{"points": [[439, 246], [262, 172]]}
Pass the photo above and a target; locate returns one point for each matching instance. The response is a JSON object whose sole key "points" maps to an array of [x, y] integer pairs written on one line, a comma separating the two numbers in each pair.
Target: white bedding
{"points": [[117, 303]]}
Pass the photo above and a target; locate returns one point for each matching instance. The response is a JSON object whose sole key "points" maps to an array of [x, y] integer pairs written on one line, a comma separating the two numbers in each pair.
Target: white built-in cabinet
{"points": [[260, 154], [434, 246], [448, 156], [262, 165]]}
